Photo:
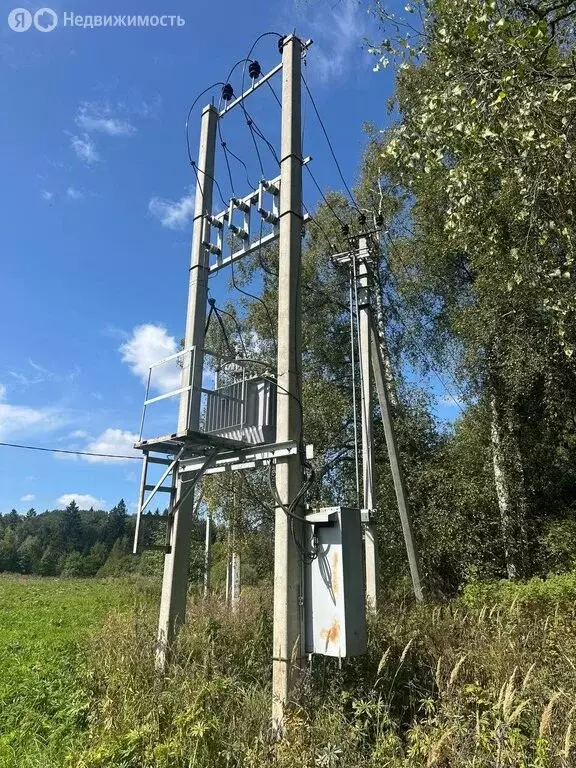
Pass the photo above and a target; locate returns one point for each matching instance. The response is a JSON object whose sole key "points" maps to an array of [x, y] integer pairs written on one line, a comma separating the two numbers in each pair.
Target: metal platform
{"points": [[192, 441]]}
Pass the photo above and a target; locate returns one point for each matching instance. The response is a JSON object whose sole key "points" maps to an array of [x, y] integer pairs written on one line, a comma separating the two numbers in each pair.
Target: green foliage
{"points": [[485, 680], [72, 542], [535, 593], [43, 625], [477, 184]]}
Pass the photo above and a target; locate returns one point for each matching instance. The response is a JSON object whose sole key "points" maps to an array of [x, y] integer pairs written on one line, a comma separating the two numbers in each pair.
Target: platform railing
{"points": [[234, 370]]}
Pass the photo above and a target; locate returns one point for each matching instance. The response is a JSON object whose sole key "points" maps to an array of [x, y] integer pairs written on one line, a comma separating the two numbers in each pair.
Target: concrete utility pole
{"points": [[234, 580], [177, 559], [233, 554], [365, 353], [395, 467], [207, 553], [288, 635]]}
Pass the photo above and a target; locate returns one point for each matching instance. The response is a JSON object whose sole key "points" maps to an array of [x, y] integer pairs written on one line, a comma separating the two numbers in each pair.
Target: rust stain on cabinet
{"points": [[331, 635]]}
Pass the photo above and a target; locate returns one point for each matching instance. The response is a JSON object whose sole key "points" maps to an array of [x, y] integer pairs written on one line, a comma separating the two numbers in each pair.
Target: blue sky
{"points": [[95, 194]]}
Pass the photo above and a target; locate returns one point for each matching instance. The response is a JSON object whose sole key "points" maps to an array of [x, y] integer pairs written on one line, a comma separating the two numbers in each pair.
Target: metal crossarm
{"points": [[244, 205], [305, 45], [246, 458]]}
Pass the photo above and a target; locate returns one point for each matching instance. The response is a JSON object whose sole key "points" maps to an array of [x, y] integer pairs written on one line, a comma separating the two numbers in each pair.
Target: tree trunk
{"points": [[509, 481]]}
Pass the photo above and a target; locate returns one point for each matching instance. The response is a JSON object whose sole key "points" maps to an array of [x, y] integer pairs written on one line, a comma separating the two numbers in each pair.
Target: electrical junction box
{"points": [[335, 594]]}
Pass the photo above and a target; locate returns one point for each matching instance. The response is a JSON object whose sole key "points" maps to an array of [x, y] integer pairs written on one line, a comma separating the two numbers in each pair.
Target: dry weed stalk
{"points": [[547, 715]]}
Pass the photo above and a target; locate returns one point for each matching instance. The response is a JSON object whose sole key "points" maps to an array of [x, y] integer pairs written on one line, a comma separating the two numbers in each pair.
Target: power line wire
{"points": [[75, 453], [196, 100], [328, 205], [320, 227], [195, 168], [253, 296], [253, 125], [329, 143], [223, 145], [218, 311], [269, 84], [239, 159]]}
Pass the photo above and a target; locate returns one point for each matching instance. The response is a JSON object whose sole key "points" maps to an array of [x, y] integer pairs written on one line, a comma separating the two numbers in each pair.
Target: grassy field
{"points": [[44, 626], [487, 681]]}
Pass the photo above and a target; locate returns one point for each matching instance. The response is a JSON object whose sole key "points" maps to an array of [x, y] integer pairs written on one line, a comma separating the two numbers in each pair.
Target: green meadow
{"points": [[485, 680]]}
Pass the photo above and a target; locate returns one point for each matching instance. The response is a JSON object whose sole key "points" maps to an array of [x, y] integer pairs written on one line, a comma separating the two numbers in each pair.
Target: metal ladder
{"points": [[172, 467]]}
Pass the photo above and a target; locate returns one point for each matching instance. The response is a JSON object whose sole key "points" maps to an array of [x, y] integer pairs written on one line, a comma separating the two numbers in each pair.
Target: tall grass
{"points": [[44, 704], [475, 683]]}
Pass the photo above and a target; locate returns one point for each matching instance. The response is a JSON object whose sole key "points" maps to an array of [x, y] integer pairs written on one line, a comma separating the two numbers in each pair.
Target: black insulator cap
{"points": [[254, 70], [281, 44], [227, 92], [345, 230], [379, 220], [362, 219]]}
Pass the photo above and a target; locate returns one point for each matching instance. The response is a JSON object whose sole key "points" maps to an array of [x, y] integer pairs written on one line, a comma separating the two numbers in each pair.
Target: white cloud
{"points": [[336, 42], [22, 419], [28, 497], [42, 374], [74, 194], [84, 500], [148, 109], [85, 148], [173, 214], [112, 441], [47, 195], [79, 433], [148, 344], [95, 116]]}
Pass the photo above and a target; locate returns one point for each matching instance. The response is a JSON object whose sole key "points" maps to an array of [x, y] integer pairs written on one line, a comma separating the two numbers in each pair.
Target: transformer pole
{"points": [[371, 561], [177, 558], [288, 635]]}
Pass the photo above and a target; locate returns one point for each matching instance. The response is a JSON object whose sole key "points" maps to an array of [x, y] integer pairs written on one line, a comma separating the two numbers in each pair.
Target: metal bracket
{"points": [[245, 458], [256, 84], [367, 515]]}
